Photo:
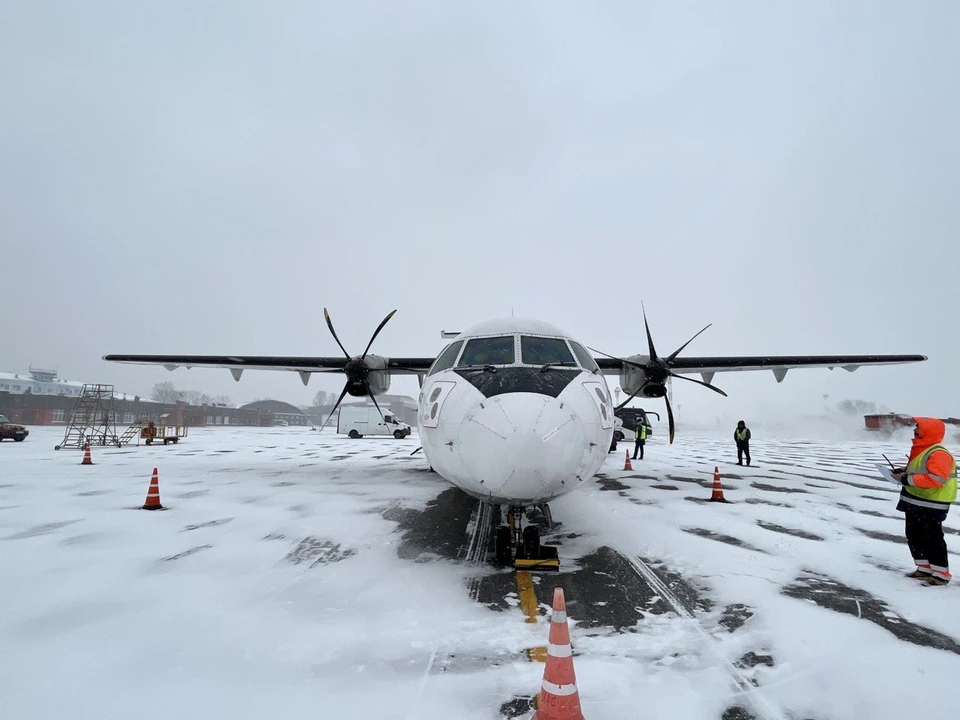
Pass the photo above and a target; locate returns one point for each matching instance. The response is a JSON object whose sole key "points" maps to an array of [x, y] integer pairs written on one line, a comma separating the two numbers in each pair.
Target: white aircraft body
{"points": [[516, 412], [511, 416]]}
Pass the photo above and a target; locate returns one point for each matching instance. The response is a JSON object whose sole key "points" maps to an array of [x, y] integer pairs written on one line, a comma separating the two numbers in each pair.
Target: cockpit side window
{"points": [[585, 358], [447, 358], [541, 350], [488, 351]]}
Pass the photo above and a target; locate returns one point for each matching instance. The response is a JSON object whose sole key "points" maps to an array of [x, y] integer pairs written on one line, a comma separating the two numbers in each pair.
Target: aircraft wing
{"points": [[779, 364], [238, 363]]}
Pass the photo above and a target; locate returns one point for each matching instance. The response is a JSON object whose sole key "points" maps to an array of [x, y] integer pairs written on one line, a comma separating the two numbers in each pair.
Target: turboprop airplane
{"points": [[516, 412]]}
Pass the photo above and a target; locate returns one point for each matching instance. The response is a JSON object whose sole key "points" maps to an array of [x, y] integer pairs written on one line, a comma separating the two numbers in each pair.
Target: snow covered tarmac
{"points": [[298, 574]]}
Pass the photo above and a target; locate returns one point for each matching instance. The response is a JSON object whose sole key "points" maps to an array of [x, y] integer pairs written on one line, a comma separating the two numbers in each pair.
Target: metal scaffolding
{"points": [[93, 419]]}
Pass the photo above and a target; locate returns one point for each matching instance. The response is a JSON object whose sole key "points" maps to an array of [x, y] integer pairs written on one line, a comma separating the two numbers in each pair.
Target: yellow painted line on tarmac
{"points": [[531, 608], [528, 596]]}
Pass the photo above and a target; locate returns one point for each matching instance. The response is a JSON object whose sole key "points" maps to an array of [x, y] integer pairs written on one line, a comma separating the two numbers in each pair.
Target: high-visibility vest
{"points": [[946, 493], [642, 432], [742, 434]]}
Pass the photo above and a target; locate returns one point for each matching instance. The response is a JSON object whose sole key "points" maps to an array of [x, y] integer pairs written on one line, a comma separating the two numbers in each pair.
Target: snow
{"points": [[274, 584]]}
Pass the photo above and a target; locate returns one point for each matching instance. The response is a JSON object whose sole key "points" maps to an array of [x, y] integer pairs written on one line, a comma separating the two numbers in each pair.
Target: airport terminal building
{"points": [[41, 398]]}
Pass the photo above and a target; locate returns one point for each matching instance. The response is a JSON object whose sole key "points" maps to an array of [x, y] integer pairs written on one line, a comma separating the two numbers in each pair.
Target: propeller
{"points": [[356, 368], [657, 371]]}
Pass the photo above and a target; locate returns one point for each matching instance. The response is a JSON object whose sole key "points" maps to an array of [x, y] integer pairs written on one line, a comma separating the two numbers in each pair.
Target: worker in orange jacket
{"points": [[929, 486]]}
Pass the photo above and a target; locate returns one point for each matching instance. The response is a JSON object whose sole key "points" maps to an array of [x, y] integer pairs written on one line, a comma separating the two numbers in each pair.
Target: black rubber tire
{"points": [[502, 547], [19, 439], [399, 434], [354, 434], [531, 541], [618, 436]]}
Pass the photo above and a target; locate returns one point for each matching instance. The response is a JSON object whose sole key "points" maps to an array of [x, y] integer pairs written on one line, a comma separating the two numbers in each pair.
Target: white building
{"points": [[39, 382]]}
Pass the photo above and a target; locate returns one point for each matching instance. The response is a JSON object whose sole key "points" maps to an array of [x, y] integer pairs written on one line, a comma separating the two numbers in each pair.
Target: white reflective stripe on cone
{"points": [[559, 616], [559, 689], [559, 651]]}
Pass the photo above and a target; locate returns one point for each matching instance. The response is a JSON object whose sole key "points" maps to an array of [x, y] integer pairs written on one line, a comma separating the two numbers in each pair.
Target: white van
{"points": [[359, 420]]}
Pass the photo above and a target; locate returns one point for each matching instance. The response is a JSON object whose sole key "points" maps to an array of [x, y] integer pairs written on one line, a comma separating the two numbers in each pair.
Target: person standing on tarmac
{"points": [[641, 439], [742, 437], [929, 486]]}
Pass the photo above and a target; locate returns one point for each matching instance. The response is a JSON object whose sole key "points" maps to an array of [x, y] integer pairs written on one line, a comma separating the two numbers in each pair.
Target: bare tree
{"points": [[165, 392]]}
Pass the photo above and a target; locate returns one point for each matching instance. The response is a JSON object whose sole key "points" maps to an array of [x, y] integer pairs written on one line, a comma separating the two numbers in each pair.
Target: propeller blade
{"points": [[677, 351], [334, 333], [699, 382], [370, 394], [653, 350], [614, 357], [622, 405], [375, 333], [336, 405], [670, 418]]}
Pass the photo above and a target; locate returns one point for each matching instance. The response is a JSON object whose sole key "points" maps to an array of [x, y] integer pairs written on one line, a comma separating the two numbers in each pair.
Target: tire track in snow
{"points": [[474, 553], [758, 703]]}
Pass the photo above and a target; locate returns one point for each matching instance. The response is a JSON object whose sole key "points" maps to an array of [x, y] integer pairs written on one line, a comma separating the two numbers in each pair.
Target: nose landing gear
{"points": [[520, 546]]}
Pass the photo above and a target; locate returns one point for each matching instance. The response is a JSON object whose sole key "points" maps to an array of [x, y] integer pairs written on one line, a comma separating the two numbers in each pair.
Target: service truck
{"points": [[358, 420], [627, 420]]}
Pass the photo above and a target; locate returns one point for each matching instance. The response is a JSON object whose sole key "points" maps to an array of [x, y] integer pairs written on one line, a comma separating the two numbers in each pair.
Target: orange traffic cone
{"points": [[626, 464], [559, 698], [87, 460], [717, 495], [153, 494]]}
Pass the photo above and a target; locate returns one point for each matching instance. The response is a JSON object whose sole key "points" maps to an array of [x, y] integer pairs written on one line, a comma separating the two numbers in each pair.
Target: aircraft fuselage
{"points": [[518, 416]]}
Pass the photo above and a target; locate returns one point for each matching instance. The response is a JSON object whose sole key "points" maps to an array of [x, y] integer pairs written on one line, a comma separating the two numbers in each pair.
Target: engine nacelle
{"points": [[373, 369], [634, 379]]}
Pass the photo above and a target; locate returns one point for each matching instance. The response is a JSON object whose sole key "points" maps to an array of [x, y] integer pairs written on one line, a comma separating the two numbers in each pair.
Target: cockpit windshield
{"points": [[447, 358], [543, 351], [488, 351], [585, 358]]}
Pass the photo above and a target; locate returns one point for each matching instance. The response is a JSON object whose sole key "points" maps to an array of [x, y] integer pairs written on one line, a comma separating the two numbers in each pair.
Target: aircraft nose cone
{"points": [[522, 446]]}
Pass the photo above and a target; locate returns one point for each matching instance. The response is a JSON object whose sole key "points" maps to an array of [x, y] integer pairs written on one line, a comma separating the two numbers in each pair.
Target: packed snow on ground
{"points": [[273, 585]]}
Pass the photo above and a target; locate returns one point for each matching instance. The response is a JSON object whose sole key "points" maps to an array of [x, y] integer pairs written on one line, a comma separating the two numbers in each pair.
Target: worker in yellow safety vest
{"points": [[742, 437], [929, 486], [641, 439]]}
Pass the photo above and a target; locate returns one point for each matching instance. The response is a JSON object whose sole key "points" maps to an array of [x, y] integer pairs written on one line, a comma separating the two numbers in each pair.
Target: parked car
{"points": [[12, 430]]}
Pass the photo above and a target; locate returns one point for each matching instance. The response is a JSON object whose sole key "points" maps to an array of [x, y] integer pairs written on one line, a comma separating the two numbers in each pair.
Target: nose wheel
{"points": [[520, 546]]}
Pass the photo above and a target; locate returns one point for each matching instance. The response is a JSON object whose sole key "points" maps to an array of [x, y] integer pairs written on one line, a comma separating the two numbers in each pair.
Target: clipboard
{"points": [[887, 474]]}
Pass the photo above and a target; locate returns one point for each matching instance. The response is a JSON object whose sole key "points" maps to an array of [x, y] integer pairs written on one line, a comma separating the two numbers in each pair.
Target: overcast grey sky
{"points": [[186, 177]]}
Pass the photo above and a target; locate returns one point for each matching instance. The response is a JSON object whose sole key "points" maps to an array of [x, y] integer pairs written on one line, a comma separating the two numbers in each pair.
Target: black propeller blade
{"points": [[699, 382], [677, 351], [377, 332], [657, 371], [356, 369], [670, 422], [334, 333], [343, 394]]}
